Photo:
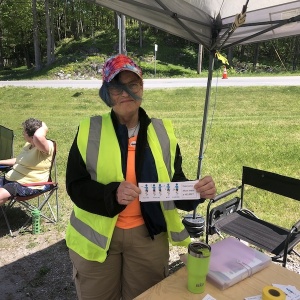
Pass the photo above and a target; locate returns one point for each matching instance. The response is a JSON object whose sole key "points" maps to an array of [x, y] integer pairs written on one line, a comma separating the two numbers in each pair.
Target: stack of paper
{"points": [[232, 261]]}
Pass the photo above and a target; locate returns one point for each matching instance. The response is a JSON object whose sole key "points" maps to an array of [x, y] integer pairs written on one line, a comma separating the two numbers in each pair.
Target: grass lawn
{"points": [[253, 126]]}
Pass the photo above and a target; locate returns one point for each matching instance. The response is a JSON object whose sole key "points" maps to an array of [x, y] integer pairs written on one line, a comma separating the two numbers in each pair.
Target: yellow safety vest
{"points": [[90, 234]]}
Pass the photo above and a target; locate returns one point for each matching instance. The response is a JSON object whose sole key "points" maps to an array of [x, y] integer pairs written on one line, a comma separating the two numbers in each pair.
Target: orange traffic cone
{"points": [[224, 73]]}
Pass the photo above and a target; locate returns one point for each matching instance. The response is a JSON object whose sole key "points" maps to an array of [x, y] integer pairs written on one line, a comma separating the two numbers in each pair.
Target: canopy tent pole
{"points": [[193, 222], [206, 106]]}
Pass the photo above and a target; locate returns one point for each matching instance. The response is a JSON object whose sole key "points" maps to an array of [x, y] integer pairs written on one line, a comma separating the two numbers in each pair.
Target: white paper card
{"points": [[292, 293], [168, 191], [209, 297]]}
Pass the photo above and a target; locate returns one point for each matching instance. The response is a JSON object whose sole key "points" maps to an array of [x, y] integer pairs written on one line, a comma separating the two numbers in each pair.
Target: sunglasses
{"points": [[117, 89]]}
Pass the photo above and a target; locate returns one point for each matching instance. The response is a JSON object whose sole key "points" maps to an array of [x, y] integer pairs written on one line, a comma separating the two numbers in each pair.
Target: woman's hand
{"points": [[42, 131], [127, 192], [206, 187]]}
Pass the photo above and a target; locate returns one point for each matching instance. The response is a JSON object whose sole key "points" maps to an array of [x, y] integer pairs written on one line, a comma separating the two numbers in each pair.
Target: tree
{"points": [[1, 47], [296, 53], [255, 56], [141, 34], [74, 20], [49, 29], [36, 38]]}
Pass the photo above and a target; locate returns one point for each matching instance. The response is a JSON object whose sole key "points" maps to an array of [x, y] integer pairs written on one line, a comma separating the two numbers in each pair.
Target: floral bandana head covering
{"points": [[118, 63]]}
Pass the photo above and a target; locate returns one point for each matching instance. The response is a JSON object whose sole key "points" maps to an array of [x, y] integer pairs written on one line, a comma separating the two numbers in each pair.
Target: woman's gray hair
{"points": [[104, 94], [31, 125]]}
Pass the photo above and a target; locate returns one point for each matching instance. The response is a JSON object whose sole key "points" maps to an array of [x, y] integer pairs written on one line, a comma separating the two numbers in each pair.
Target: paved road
{"points": [[163, 83]]}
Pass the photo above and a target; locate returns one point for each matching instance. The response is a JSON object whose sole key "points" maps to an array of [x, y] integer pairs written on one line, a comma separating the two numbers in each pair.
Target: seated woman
{"points": [[32, 165]]}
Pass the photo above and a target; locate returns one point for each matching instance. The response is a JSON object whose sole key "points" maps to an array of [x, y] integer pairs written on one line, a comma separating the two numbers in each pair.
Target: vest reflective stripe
{"points": [[181, 238], [168, 205], [89, 234], [86, 231], [93, 146], [164, 142], [88, 140], [165, 137]]}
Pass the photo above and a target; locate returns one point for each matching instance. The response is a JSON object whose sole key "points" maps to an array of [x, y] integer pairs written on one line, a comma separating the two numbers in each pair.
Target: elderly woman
{"points": [[119, 246], [31, 165]]}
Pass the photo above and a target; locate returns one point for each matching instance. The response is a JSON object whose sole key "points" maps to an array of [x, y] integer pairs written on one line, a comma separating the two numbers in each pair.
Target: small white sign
{"points": [[291, 292], [168, 191], [209, 297], [155, 47]]}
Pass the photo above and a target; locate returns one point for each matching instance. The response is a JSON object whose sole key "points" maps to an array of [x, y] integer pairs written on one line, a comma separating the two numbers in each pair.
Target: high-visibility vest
{"points": [[90, 234]]}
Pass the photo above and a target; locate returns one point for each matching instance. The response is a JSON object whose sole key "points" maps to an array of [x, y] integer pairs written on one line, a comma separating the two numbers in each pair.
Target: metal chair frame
{"points": [[233, 219]]}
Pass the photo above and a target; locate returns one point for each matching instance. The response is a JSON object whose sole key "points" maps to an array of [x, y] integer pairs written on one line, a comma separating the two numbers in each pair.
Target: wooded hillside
{"points": [[40, 33]]}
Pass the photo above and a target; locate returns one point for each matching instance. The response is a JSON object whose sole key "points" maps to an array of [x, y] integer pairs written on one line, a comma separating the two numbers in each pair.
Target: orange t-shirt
{"points": [[131, 216]]}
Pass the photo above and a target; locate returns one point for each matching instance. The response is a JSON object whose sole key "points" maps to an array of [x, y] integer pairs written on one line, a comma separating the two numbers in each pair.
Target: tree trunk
{"points": [[65, 20], [242, 52], [255, 56], [49, 30], [296, 53], [1, 51], [141, 34], [27, 57], [230, 56], [36, 39], [123, 35], [116, 20], [74, 21], [52, 32], [26, 52]]}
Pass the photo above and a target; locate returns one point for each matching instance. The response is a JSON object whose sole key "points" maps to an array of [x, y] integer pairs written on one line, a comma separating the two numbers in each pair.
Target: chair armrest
{"points": [[297, 226], [5, 167], [38, 183], [224, 194]]}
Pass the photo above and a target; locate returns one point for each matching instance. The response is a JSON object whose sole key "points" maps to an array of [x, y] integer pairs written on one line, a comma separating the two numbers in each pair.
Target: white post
{"points": [[200, 56], [120, 34], [155, 50]]}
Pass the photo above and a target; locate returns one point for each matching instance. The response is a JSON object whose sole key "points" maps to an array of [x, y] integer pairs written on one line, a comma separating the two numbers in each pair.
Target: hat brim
{"points": [[133, 70]]}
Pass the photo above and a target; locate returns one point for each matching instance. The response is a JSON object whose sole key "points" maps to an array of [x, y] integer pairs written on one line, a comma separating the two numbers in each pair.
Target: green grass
{"points": [[254, 126]]}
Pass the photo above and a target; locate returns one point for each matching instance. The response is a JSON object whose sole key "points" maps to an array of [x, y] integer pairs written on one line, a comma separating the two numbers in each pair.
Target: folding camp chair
{"points": [[233, 219], [6, 146], [43, 201]]}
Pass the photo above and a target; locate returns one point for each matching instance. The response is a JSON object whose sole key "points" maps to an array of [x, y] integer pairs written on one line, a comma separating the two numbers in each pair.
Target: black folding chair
{"points": [[6, 146], [233, 219]]}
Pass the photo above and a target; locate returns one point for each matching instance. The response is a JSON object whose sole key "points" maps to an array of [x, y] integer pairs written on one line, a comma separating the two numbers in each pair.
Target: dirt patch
{"points": [[35, 267]]}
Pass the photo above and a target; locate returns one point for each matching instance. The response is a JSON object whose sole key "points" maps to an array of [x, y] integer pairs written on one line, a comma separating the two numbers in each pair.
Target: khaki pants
{"points": [[135, 263]]}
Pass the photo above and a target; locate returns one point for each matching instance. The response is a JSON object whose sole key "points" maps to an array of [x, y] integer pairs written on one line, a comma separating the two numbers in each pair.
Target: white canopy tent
{"points": [[216, 24], [211, 22]]}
